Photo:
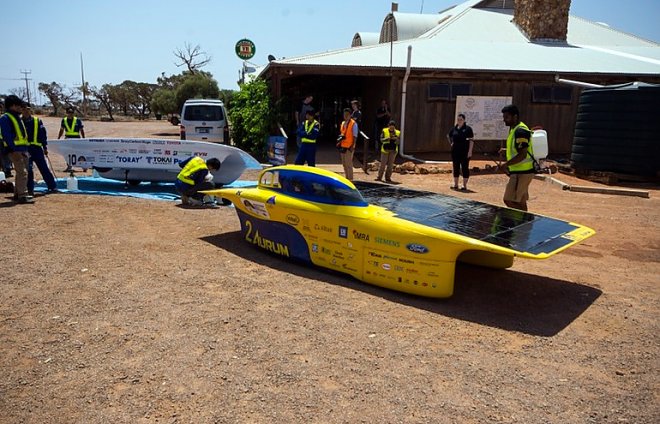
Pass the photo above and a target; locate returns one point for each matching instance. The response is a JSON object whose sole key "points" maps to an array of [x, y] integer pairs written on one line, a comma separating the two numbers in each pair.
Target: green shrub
{"points": [[252, 116]]}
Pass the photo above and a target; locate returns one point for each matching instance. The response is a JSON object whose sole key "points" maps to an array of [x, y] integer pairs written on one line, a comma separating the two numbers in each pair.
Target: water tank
{"points": [[618, 129]]}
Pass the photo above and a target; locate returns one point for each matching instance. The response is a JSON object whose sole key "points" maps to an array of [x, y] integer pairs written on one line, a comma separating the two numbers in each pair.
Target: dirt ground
{"points": [[122, 310]]}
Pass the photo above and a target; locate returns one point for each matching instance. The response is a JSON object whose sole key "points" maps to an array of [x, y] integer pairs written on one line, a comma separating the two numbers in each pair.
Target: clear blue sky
{"points": [[134, 40]]}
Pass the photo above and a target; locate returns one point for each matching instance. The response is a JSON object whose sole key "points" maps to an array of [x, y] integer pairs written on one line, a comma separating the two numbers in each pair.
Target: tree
{"points": [[226, 96], [103, 96], [252, 116], [142, 96], [192, 57], [54, 93], [164, 101], [200, 85]]}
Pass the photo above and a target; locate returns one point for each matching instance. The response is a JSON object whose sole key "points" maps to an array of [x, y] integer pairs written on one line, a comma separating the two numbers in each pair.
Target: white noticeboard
{"points": [[484, 115]]}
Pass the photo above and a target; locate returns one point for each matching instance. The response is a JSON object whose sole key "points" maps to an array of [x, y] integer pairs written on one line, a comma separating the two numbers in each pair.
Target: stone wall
{"points": [[542, 19]]}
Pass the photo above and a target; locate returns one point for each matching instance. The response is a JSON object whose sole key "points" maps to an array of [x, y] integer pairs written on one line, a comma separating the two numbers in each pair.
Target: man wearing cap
{"points": [[15, 138], [36, 134], [71, 127]]}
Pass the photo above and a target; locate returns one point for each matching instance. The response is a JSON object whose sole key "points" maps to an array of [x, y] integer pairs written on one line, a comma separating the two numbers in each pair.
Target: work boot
{"points": [[184, 199], [26, 200]]}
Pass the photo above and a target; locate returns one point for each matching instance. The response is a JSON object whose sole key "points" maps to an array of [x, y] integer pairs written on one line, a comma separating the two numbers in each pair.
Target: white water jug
{"points": [[71, 183], [540, 144]]}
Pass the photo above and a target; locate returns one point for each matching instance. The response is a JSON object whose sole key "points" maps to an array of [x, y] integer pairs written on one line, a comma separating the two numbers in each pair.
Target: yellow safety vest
{"points": [[71, 130], [35, 141], [308, 129], [195, 164], [511, 151], [21, 132], [386, 132]]}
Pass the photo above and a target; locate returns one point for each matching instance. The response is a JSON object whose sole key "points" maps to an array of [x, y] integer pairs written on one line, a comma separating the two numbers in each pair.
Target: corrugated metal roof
{"points": [[486, 39], [365, 39]]}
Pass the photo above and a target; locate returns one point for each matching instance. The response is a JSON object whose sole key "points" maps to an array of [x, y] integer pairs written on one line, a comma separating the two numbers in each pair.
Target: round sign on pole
{"points": [[245, 49]]}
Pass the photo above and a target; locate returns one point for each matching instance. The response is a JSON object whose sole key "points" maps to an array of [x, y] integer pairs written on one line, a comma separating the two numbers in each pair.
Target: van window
{"points": [[203, 113]]}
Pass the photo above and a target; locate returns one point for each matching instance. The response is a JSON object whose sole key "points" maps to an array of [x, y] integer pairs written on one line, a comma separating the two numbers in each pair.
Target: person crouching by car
{"points": [[389, 147], [346, 143], [195, 177]]}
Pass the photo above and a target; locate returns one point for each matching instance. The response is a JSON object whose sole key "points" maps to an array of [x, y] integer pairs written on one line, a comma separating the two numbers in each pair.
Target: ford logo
{"points": [[417, 248], [292, 219]]}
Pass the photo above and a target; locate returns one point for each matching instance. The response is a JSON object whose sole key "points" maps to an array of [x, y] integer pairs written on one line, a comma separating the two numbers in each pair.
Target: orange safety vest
{"points": [[347, 132]]}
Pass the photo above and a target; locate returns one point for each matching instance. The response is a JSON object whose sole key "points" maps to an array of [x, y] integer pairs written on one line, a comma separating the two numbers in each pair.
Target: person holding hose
{"points": [[519, 164]]}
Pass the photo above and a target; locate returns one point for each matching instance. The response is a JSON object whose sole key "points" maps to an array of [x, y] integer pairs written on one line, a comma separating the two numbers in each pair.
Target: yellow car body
{"points": [[402, 239]]}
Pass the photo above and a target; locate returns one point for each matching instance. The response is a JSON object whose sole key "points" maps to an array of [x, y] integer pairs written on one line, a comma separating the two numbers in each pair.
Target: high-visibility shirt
{"points": [[347, 131], [19, 129], [386, 141], [70, 130], [34, 141], [194, 165], [309, 131], [512, 150]]}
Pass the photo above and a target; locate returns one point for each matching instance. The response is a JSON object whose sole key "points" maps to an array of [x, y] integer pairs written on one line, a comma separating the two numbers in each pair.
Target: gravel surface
{"points": [[121, 310]]}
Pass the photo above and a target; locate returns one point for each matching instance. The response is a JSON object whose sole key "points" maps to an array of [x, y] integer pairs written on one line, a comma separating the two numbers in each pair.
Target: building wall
{"points": [[428, 121]]}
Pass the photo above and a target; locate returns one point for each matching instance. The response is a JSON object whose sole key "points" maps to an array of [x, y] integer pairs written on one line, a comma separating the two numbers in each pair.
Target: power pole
{"points": [[84, 88], [27, 86]]}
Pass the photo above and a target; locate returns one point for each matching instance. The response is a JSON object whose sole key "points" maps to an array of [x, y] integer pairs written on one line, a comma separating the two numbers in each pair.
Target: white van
{"points": [[204, 120]]}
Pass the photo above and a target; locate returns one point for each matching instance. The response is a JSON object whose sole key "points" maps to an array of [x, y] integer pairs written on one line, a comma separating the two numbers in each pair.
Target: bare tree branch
{"points": [[192, 57]]}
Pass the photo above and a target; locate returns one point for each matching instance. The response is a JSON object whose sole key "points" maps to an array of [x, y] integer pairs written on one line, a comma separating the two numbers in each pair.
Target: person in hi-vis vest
{"points": [[519, 165], [389, 147], [194, 177], [308, 132], [346, 143], [71, 127]]}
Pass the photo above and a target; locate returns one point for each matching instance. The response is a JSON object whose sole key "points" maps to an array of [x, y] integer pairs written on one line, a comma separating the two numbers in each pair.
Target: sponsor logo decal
{"points": [[124, 159], [292, 219], [321, 227], [157, 160], [417, 248], [264, 243], [343, 232], [388, 242], [386, 267], [360, 236], [315, 248]]}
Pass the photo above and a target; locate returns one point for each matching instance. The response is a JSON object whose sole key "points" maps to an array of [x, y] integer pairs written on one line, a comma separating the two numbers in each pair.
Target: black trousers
{"points": [[461, 164], [191, 191]]}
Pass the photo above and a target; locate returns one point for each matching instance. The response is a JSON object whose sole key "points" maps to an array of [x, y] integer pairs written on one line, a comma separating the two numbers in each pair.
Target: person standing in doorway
{"points": [[308, 132], [37, 136], [301, 116], [518, 165], [461, 139], [346, 143], [389, 147], [383, 117], [14, 136]]}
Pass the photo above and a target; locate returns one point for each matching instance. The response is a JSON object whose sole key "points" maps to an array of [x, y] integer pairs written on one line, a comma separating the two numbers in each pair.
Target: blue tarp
{"points": [[107, 187]]}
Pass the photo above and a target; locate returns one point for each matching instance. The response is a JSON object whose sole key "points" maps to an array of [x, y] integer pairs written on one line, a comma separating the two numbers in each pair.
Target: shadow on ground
{"points": [[509, 300]]}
